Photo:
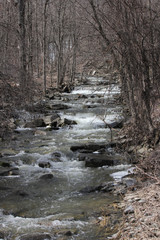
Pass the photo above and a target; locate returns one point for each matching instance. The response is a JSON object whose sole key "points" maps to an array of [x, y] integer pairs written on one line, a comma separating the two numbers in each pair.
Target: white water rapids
{"points": [[50, 206]]}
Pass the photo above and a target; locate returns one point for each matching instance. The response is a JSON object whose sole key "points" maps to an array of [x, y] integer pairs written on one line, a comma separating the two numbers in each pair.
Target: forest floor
{"points": [[142, 219]]}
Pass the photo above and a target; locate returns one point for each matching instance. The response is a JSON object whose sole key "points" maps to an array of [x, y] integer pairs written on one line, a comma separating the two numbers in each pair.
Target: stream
{"points": [[56, 207]]}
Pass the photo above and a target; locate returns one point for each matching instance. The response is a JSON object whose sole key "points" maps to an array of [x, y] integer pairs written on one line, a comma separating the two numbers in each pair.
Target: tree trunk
{"points": [[23, 63], [45, 46]]}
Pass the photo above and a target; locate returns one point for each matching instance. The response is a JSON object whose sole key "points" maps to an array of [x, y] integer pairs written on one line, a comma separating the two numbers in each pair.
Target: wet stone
{"points": [[90, 189], [52, 119], [47, 176], [68, 233], [105, 187], [56, 154], [58, 107], [9, 171], [129, 182], [66, 122], [116, 124], [36, 237], [8, 152], [39, 132], [21, 193], [35, 123], [95, 162], [108, 187], [2, 235], [27, 159], [5, 164], [98, 160], [56, 157], [89, 147], [44, 164]]}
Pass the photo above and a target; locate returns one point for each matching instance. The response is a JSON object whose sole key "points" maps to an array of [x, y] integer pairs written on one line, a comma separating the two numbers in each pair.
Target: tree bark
{"points": [[23, 62], [45, 46]]}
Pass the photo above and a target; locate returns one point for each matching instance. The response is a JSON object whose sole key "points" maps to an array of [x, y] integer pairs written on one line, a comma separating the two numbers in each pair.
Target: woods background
{"points": [[44, 43]]}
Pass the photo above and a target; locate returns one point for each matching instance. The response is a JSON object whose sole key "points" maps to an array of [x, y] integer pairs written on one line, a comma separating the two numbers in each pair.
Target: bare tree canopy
{"points": [[49, 41]]}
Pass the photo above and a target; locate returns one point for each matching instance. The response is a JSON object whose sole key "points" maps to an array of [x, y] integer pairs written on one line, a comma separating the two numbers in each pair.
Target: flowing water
{"points": [[29, 204]]}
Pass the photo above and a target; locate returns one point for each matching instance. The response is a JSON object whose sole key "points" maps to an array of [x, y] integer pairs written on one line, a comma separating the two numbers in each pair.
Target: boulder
{"points": [[68, 234], [39, 122], [52, 120], [66, 122], [105, 187], [85, 151], [99, 160], [58, 106], [56, 154], [44, 164], [40, 132], [129, 182], [46, 176], [88, 147], [116, 124], [9, 171], [2, 235], [27, 159], [37, 236], [90, 189], [69, 122], [56, 157], [8, 152], [5, 163]]}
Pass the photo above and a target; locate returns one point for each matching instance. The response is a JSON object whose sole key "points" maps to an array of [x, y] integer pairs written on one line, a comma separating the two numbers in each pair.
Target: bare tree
{"points": [[49, 39], [130, 32], [22, 31], [45, 44]]}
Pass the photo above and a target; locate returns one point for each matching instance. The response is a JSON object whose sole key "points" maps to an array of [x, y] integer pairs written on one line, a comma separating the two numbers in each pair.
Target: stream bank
{"points": [[142, 209], [50, 188]]}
